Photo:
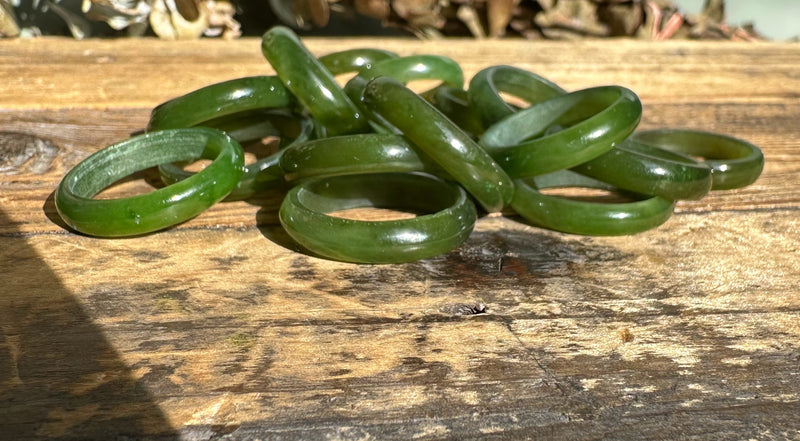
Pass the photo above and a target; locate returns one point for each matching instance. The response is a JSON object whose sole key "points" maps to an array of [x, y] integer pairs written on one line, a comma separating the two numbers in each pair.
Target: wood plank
{"points": [[219, 329], [140, 72]]}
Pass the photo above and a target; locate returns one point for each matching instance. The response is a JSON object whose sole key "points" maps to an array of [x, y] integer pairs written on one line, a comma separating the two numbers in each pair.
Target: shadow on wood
{"points": [[59, 376]]}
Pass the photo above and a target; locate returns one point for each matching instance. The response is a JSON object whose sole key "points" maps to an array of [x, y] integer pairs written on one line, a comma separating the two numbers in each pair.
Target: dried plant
{"points": [[532, 19]]}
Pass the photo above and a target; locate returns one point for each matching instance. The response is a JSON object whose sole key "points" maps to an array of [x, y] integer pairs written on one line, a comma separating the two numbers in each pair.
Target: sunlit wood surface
{"points": [[218, 329]]}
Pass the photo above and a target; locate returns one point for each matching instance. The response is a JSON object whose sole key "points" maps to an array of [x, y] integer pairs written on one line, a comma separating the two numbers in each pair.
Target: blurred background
{"points": [[775, 19], [743, 20]]}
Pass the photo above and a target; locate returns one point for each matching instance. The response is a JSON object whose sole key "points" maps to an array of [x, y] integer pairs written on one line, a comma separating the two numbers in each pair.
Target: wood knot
{"points": [[463, 309], [20, 152], [625, 335]]}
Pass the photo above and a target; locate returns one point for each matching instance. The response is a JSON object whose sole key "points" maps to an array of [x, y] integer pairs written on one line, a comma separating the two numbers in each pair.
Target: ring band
{"points": [[587, 218], [442, 140], [404, 70], [303, 214], [263, 174], [595, 119], [453, 102], [485, 88], [407, 69], [651, 170], [218, 100], [312, 84], [354, 60], [352, 154], [734, 163], [160, 208]]}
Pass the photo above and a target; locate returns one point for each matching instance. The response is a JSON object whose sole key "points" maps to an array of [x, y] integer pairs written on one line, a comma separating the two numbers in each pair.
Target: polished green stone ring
{"points": [[264, 173], [313, 85], [446, 217], [441, 140], [564, 131], [486, 86], [647, 169], [586, 217], [734, 163], [219, 100], [159, 209], [354, 60], [353, 154]]}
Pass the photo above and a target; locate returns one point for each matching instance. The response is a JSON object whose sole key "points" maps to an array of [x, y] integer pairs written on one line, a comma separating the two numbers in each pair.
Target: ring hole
{"points": [[583, 194], [141, 182], [197, 166], [374, 214], [420, 86], [343, 78], [514, 100], [377, 214], [260, 149]]}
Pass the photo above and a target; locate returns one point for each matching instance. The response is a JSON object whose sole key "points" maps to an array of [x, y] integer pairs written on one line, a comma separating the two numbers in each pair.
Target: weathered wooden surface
{"points": [[215, 329]]}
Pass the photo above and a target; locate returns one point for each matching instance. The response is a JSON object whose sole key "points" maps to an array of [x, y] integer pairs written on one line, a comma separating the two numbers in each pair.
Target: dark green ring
{"points": [[646, 169], [453, 102], [586, 218], [354, 60], [405, 70], [312, 84], [158, 209], [734, 163], [596, 119], [452, 218], [218, 100], [442, 140], [486, 85], [258, 176], [353, 154]]}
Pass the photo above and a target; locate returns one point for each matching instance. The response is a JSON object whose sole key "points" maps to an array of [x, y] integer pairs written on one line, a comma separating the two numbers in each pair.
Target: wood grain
{"points": [[219, 329]]}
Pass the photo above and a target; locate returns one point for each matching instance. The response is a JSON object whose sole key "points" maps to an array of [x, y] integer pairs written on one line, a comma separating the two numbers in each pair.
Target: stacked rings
{"points": [[442, 140], [312, 84], [377, 143], [595, 119]]}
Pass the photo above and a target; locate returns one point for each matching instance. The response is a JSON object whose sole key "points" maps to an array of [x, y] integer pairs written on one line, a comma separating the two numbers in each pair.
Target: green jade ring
{"points": [[354, 60], [582, 217], [453, 102], [313, 85], [594, 121], [353, 154], [405, 70], [265, 173], [220, 100], [734, 163], [158, 209], [646, 169], [442, 140], [450, 221], [485, 88]]}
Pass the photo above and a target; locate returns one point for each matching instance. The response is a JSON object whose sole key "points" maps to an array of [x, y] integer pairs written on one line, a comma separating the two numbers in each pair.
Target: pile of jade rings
{"points": [[377, 143]]}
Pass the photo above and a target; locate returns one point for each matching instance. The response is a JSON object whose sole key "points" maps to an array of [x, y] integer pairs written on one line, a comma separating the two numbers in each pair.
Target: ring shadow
{"points": [[269, 225], [59, 375]]}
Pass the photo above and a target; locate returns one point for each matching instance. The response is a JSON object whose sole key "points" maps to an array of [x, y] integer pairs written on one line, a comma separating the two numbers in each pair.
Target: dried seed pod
{"points": [[8, 21], [220, 20], [118, 14], [380, 9], [302, 14], [499, 14], [168, 22]]}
